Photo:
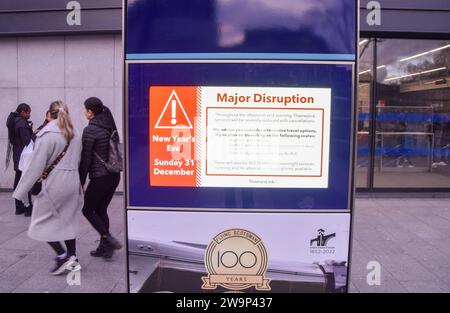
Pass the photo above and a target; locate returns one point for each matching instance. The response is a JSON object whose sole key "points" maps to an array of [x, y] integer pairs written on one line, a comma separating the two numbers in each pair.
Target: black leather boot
{"points": [[98, 252], [113, 242]]}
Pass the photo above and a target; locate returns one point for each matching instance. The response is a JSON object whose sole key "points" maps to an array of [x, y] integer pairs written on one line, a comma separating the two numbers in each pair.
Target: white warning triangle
{"points": [[173, 114]]}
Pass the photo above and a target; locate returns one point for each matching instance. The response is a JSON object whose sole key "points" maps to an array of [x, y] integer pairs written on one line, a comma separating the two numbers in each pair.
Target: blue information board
{"points": [[240, 119], [338, 78]]}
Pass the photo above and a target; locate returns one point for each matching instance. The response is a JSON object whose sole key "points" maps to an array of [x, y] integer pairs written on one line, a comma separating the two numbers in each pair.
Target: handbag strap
{"points": [[54, 163], [110, 135], [99, 158]]}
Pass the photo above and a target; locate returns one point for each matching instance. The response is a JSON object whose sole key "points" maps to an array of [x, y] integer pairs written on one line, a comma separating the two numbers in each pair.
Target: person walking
{"points": [[20, 133], [102, 184], [57, 207]]}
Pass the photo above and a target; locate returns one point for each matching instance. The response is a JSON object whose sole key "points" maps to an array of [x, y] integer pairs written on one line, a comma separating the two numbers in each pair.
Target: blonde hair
{"points": [[60, 111]]}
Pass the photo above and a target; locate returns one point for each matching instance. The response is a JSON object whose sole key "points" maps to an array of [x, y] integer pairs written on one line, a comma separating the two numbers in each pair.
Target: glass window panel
{"points": [[413, 110]]}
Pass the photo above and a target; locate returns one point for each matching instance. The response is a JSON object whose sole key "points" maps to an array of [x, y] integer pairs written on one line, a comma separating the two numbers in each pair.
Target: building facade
{"points": [[71, 50]]}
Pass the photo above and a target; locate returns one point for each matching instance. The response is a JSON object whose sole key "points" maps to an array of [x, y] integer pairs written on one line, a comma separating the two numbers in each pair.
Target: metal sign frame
{"points": [[352, 161]]}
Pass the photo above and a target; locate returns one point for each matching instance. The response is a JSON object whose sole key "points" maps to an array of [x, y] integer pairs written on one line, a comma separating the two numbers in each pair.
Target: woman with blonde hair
{"points": [[57, 206]]}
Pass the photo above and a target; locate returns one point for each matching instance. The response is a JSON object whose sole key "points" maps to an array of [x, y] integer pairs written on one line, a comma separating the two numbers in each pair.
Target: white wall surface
{"points": [[38, 70]]}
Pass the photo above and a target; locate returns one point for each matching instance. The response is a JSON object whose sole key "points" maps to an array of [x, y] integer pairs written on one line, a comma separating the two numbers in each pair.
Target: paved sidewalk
{"points": [[25, 263], [409, 237]]}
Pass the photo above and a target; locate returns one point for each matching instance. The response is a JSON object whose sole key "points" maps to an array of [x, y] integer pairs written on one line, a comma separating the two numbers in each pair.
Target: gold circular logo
{"points": [[236, 259]]}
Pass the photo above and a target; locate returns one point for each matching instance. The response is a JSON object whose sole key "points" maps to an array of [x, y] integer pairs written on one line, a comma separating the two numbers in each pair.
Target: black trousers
{"points": [[19, 204], [97, 198], [70, 245]]}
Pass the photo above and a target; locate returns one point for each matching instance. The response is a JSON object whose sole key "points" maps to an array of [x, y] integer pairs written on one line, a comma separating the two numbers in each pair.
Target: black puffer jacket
{"points": [[19, 134], [95, 139]]}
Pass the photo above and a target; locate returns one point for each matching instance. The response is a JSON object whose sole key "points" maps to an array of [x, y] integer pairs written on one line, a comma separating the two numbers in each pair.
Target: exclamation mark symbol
{"points": [[174, 112]]}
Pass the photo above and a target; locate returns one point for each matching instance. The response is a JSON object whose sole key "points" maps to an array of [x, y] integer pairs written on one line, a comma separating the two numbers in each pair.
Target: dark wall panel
{"points": [[43, 17], [411, 4], [29, 23], [28, 5], [428, 18]]}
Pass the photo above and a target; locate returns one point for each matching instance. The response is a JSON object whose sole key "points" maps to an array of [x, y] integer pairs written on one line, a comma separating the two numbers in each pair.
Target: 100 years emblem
{"points": [[236, 259]]}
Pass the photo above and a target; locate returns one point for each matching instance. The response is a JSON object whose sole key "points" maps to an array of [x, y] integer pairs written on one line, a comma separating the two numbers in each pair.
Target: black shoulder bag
{"points": [[37, 187]]}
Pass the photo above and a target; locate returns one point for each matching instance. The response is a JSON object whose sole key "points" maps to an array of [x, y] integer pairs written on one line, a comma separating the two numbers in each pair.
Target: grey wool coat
{"points": [[57, 208]]}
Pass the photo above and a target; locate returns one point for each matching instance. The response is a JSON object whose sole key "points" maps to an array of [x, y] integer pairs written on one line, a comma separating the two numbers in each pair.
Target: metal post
{"points": [[373, 117]]}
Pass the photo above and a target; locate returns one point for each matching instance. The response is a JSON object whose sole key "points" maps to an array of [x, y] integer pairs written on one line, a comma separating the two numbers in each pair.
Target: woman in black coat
{"points": [[20, 134], [102, 184]]}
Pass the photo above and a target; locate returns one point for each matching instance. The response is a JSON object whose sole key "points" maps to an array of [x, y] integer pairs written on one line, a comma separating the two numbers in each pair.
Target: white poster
{"points": [[259, 137]]}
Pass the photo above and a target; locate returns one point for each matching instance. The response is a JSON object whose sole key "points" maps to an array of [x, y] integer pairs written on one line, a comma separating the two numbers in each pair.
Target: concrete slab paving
{"points": [[408, 237]]}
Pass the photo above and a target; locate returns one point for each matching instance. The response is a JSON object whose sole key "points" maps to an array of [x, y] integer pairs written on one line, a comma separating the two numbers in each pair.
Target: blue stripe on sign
{"points": [[241, 56]]}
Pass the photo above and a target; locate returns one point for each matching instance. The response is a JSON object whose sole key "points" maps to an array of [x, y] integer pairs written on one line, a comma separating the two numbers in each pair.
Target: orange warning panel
{"points": [[172, 135]]}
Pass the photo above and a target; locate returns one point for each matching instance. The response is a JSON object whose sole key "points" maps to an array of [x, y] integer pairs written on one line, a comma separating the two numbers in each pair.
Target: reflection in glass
{"points": [[236, 26], [296, 23], [413, 109]]}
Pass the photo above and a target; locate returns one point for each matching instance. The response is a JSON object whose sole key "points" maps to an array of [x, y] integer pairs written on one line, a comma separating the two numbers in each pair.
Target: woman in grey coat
{"points": [[57, 208]]}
